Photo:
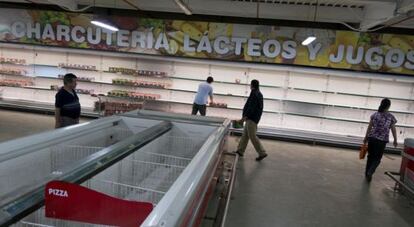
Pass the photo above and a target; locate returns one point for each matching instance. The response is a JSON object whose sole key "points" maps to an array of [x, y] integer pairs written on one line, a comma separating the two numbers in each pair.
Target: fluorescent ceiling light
{"points": [[183, 7], [308, 40], [103, 25]]}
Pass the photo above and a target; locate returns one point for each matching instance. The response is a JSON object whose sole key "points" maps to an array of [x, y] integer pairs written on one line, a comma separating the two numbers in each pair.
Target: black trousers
{"points": [[375, 151], [199, 108]]}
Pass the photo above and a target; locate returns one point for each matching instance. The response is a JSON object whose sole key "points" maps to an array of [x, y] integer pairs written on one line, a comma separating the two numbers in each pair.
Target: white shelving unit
{"points": [[337, 102]]}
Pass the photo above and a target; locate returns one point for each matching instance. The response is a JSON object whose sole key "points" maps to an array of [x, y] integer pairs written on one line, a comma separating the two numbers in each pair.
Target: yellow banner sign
{"points": [[222, 41]]}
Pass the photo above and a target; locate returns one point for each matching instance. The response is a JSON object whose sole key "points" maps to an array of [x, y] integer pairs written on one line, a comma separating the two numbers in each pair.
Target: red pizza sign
{"points": [[73, 202]]}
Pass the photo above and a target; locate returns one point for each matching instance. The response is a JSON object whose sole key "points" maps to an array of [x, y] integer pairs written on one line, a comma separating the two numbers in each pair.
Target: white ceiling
{"points": [[367, 13]]}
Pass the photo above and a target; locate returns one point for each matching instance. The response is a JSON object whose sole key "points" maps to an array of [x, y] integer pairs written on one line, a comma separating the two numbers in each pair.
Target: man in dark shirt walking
{"points": [[67, 103], [252, 112]]}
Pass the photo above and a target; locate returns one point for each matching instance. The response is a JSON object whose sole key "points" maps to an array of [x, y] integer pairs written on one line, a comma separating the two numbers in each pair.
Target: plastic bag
{"points": [[363, 151], [237, 124]]}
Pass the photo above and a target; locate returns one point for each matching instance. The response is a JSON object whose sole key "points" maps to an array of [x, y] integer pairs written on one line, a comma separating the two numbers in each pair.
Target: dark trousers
{"points": [[67, 121], [375, 151], [199, 108]]}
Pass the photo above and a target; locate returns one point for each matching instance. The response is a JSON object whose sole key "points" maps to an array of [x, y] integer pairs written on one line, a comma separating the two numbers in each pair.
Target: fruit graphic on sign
{"points": [[177, 36], [201, 26], [386, 38], [176, 24], [80, 20], [345, 38], [303, 57], [322, 59], [246, 56], [401, 44], [173, 47], [192, 31], [190, 54], [219, 29], [409, 40]]}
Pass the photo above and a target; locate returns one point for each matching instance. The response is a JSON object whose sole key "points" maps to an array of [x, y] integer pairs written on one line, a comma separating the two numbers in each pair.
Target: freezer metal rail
{"points": [[38, 107], [295, 135], [163, 159], [399, 184], [182, 118]]}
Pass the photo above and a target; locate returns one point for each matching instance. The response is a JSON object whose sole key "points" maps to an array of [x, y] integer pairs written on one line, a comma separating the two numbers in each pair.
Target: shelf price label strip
{"points": [[68, 201]]}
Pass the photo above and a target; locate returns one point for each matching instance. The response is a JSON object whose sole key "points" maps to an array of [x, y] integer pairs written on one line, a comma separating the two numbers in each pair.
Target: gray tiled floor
{"points": [[297, 185], [18, 124], [302, 185]]}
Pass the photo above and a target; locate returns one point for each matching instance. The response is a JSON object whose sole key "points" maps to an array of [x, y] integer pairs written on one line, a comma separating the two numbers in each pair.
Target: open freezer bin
{"points": [[168, 160]]}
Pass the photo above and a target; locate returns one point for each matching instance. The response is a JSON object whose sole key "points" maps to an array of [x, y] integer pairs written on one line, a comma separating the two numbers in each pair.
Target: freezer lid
{"points": [[21, 146], [211, 130], [171, 210], [176, 117], [80, 171]]}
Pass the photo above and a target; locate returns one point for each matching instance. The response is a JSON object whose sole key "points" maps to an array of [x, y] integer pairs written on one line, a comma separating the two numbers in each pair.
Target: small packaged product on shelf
{"points": [[133, 95], [218, 105], [16, 61], [15, 83], [79, 78], [125, 71], [87, 79], [134, 72], [137, 83], [151, 73], [111, 108], [118, 93], [84, 91], [15, 72], [54, 87], [77, 66]]}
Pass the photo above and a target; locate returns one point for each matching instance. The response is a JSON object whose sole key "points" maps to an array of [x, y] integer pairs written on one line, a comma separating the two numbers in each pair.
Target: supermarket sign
{"points": [[207, 40]]}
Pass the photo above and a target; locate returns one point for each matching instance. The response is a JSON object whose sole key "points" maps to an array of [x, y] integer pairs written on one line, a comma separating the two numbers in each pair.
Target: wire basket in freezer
{"points": [[150, 171], [32, 167], [185, 147], [39, 219], [145, 176]]}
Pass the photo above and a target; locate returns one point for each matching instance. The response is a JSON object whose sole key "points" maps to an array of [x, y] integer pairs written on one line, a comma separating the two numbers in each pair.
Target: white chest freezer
{"points": [[167, 160]]}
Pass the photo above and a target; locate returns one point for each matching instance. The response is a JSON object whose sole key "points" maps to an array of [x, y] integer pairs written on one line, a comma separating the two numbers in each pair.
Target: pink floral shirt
{"points": [[381, 125]]}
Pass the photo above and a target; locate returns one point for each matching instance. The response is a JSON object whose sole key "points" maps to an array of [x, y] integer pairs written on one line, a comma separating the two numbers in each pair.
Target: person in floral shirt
{"points": [[377, 136]]}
